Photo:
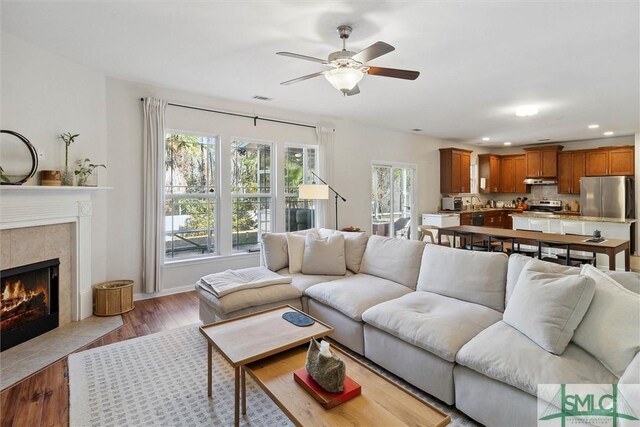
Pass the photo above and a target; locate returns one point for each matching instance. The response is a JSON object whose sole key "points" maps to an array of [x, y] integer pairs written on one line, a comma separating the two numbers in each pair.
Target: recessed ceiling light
{"points": [[544, 140], [527, 110], [507, 143], [594, 126], [608, 133], [486, 138]]}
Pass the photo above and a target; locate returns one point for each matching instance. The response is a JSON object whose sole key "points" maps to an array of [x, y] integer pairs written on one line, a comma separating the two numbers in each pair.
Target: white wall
{"points": [[44, 95]]}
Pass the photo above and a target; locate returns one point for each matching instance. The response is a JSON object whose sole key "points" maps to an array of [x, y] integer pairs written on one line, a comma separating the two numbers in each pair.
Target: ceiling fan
{"points": [[348, 68]]}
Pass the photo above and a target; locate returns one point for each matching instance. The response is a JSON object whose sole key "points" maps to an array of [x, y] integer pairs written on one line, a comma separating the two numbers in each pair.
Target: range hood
{"points": [[541, 181]]}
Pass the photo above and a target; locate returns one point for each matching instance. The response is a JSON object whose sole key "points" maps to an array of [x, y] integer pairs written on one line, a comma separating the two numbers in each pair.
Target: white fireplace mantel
{"points": [[32, 206]]}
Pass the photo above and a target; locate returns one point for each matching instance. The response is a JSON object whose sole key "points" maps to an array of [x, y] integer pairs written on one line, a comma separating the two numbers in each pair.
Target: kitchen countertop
{"points": [[571, 217], [479, 210]]}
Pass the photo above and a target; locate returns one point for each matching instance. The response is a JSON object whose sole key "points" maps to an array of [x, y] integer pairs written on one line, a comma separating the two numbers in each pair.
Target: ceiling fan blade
{"points": [[392, 72], [354, 91], [299, 79], [305, 57], [372, 52]]}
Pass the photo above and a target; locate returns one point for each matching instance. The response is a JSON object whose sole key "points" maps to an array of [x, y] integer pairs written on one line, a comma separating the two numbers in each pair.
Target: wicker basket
{"points": [[114, 297]]}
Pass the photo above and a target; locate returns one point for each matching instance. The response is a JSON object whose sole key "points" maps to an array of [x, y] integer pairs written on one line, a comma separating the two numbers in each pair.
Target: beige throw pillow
{"points": [[354, 245], [610, 331], [548, 306], [324, 256], [295, 248], [274, 251]]}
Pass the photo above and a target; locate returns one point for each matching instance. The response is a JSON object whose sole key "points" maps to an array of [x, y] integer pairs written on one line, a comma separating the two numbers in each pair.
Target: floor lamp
{"points": [[319, 192]]}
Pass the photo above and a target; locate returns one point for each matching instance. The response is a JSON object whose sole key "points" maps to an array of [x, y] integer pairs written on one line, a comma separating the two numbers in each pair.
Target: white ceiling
{"points": [[580, 62]]}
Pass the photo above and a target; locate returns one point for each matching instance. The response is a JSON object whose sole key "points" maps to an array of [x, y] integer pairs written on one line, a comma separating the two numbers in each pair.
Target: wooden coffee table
{"points": [[252, 337], [382, 402]]}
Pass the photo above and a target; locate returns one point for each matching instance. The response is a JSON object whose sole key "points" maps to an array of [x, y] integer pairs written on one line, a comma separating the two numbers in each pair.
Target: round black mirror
{"points": [[18, 158]]}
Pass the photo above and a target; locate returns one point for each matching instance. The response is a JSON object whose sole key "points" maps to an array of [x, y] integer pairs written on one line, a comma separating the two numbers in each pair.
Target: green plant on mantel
{"points": [[84, 170], [3, 177], [68, 139]]}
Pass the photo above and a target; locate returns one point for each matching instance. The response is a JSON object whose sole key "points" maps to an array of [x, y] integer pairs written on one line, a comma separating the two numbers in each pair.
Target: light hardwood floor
{"points": [[43, 398]]}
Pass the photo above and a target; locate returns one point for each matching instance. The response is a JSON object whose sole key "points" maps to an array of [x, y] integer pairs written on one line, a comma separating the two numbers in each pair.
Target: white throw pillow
{"points": [[295, 244], [354, 245], [610, 331], [548, 306], [274, 251], [324, 256]]}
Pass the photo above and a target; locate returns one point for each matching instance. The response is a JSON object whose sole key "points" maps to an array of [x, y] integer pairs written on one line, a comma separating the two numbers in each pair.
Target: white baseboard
{"points": [[164, 292]]}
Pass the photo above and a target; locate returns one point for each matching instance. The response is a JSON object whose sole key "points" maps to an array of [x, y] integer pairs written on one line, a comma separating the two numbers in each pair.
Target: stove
{"points": [[544, 206]]}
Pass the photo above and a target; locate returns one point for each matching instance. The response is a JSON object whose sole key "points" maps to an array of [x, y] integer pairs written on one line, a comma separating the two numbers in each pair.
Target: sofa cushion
{"points": [[393, 259], [628, 279], [304, 281], [438, 324], [517, 263], [353, 295], [504, 354], [478, 277], [274, 250], [354, 246], [250, 297], [547, 307], [324, 256], [611, 328]]}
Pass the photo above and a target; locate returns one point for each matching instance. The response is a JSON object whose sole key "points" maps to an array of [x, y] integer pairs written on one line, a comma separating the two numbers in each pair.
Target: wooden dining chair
{"points": [[428, 232]]}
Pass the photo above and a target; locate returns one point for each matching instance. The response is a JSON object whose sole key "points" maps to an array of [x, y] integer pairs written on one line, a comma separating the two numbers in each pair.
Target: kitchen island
{"points": [[610, 228]]}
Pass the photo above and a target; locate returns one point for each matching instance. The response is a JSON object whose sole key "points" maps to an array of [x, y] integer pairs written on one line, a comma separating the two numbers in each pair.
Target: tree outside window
{"points": [[299, 163]]}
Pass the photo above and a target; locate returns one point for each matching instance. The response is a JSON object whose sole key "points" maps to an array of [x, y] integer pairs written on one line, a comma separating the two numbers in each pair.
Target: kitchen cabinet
{"points": [[610, 161], [455, 170], [465, 219], [494, 219], [542, 162], [489, 170], [512, 174], [571, 167]]}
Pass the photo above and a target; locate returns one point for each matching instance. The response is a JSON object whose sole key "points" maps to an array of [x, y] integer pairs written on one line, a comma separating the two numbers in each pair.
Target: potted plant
{"points": [[3, 178], [68, 139], [84, 171]]}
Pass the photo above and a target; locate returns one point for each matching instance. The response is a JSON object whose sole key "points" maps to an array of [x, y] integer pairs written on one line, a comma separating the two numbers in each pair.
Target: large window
{"points": [[190, 195], [392, 200], [251, 193], [299, 163]]}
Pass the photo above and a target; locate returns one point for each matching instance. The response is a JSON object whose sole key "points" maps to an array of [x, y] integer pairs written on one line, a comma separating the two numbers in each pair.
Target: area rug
{"points": [[161, 379]]}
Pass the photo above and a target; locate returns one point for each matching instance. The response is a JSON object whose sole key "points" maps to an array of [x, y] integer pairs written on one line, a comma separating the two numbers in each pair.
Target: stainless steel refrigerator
{"points": [[607, 196]]}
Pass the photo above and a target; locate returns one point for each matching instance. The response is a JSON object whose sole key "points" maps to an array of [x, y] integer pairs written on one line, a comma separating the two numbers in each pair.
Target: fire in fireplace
{"points": [[28, 302]]}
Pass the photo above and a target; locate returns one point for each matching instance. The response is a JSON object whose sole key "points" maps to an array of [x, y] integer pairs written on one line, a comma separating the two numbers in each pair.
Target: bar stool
{"points": [[500, 243], [527, 250], [563, 261], [471, 246]]}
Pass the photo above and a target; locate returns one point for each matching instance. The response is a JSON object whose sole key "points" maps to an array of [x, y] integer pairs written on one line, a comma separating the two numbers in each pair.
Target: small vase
{"points": [[67, 178]]}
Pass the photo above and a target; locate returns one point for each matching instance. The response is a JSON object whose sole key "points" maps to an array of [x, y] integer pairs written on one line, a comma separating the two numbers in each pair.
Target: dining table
{"points": [[610, 247]]}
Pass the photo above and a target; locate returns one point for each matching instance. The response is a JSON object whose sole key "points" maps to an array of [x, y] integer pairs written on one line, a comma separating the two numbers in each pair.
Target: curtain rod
{"points": [[228, 113]]}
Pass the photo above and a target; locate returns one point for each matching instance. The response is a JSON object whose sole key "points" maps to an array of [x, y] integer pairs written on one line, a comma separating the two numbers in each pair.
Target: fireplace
{"points": [[28, 302]]}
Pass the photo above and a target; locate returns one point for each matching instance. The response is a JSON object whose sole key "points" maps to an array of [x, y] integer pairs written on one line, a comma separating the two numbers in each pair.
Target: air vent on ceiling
{"points": [[544, 140], [416, 130], [262, 98]]}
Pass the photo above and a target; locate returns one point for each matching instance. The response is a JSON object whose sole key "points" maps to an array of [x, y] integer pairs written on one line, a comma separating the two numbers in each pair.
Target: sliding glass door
{"points": [[392, 200]]}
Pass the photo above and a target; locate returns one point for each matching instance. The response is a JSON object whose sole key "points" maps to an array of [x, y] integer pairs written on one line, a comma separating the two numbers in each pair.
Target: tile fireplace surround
{"points": [[54, 222]]}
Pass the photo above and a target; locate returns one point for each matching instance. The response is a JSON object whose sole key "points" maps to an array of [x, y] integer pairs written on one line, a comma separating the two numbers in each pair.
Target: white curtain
{"points": [[326, 210], [153, 153]]}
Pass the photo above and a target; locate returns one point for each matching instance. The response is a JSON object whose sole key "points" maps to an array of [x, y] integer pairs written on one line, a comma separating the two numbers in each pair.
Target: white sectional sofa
{"points": [[435, 316]]}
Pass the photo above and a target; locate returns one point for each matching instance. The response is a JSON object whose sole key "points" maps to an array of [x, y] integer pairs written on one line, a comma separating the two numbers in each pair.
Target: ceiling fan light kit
{"points": [[344, 79], [348, 68]]}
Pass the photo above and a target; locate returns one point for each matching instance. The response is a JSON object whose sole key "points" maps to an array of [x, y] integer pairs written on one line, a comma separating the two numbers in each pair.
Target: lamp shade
{"points": [[313, 192], [344, 78]]}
